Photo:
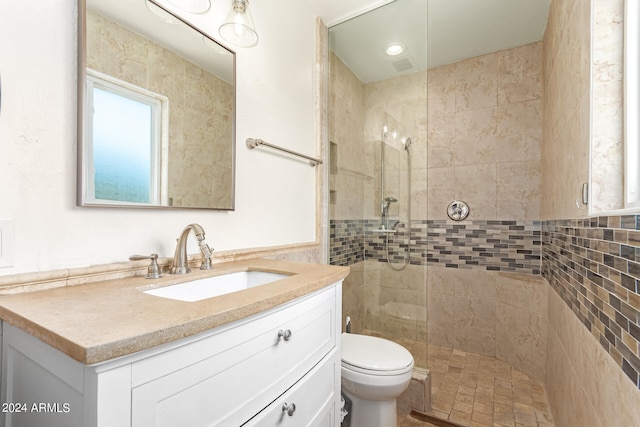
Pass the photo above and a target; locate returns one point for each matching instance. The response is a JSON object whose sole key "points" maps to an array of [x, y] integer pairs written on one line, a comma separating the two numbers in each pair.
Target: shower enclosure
{"points": [[406, 142], [377, 190]]}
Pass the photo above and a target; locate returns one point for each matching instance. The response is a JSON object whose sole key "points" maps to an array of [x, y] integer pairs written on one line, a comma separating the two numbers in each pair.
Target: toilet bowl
{"points": [[375, 371]]}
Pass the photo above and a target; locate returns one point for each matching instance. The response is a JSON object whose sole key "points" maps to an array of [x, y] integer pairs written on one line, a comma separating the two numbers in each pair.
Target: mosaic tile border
{"points": [[491, 245], [346, 242], [594, 265]]}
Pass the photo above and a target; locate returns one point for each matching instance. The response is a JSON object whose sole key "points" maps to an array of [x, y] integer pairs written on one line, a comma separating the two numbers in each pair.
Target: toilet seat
{"points": [[374, 356]]}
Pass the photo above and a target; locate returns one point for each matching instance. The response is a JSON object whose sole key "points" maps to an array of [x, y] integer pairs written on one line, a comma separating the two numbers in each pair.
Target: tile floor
{"points": [[478, 391], [409, 421]]}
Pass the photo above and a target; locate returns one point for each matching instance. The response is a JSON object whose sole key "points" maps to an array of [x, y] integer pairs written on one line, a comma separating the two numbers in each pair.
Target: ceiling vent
{"points": [[402, 65]]}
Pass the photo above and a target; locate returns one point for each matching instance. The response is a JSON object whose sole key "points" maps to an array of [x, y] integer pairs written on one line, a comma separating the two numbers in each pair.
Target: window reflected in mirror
{"points": [[123, 144], [157, 111]]}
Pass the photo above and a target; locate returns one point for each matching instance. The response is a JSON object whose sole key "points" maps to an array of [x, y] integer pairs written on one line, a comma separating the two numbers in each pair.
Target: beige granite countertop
{"points": [[100, 321]]}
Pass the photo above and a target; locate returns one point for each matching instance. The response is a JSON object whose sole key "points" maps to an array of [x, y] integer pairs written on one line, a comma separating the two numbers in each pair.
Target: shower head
{"points": [[387, 202], [407, 143]]}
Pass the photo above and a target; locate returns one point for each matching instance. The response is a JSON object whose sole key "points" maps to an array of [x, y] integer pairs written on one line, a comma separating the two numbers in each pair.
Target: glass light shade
{"points": [[192, 6], [238, 29]]}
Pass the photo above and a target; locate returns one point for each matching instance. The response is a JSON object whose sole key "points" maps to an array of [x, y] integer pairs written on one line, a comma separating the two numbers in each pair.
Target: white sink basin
{"points": [[210, 287]]}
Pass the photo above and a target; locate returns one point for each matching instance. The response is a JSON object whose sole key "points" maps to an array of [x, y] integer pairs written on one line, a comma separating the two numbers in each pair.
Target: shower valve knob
{"points": [[458, 210]]}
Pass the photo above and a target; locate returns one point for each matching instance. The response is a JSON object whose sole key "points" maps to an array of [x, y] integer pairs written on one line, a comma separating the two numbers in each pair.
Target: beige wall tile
{"points": [[353, 298], [467, 127], [526, 292], [440, 320], [441, 138], [440, 281], [497, 314], [441, 90], [519, 131], [584, 384], [346, 130], [566, 48], [520, 74], [518, 190], [470, 283], [476, 185], [477, 82], [475, 136], [607, 147], [440, 192]]}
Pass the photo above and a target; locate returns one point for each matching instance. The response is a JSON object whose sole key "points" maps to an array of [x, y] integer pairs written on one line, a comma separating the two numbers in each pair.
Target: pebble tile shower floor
{"points": [[479, 391]]}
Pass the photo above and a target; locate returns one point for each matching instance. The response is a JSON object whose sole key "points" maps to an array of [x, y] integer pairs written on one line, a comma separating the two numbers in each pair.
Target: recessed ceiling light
{"points": [[394, 49]]}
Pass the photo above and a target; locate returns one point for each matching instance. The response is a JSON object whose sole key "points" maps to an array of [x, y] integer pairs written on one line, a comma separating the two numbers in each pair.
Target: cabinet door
{"points": [[311, 402], [40, 385], [238, 381]]}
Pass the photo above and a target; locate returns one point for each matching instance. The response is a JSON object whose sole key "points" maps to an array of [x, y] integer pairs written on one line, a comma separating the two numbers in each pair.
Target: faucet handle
{"points": [[153, 271], [206, 255]]}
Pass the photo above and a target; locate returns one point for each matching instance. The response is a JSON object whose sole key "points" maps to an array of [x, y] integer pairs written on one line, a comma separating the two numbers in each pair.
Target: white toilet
{"points": [[375, 371]]}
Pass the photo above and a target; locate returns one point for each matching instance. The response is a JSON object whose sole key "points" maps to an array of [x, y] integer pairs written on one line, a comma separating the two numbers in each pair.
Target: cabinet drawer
{"points": [[243, 369], [314, 397]]}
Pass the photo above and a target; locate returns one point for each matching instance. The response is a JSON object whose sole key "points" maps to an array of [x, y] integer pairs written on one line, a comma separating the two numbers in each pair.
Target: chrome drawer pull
{"points": [[289, 408], [285, 334]]}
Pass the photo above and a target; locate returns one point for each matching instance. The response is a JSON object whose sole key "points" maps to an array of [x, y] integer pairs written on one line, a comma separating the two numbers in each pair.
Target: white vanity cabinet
{"points": [[280, 367]]}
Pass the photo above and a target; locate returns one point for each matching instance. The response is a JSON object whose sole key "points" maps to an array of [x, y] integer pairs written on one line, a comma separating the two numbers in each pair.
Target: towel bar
{"points": [[253, 143]]}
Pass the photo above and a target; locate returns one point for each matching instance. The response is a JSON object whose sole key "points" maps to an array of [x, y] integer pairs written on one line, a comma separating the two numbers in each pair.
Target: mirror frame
{"points": [[81, 185]]}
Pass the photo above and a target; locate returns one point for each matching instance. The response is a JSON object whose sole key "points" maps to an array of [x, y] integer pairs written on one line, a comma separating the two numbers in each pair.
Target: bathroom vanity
{"points": [[109, 354]]}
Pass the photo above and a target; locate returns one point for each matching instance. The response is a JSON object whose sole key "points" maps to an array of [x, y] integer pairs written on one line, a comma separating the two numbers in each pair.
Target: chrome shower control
{"points": [[458, 210], [284, 334], [289, 408]]}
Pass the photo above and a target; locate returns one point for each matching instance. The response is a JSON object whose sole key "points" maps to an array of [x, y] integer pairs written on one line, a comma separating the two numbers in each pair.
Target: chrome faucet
{"points": [[180, 262]]}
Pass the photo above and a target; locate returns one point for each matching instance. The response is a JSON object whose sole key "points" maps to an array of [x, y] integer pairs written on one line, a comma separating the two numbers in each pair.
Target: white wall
{"points": [[275, 196]]}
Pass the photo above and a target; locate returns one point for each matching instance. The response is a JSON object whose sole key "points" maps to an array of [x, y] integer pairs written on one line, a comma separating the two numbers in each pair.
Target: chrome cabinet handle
{"points": [[289, 408], [284, 334]]}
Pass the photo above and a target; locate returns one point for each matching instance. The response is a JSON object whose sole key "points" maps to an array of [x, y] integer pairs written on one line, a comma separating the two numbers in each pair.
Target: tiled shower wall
{"points": [[481, 291], [491, 245], [592, 340], [594, 266]]}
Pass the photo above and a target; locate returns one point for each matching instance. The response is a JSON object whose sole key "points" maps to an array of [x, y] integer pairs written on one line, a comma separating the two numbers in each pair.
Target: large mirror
{"points": [[156, 110]]}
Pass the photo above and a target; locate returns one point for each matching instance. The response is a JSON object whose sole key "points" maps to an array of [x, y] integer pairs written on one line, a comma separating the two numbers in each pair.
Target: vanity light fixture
{"points": [[192, 6], [238, 29], [394, 49]]}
